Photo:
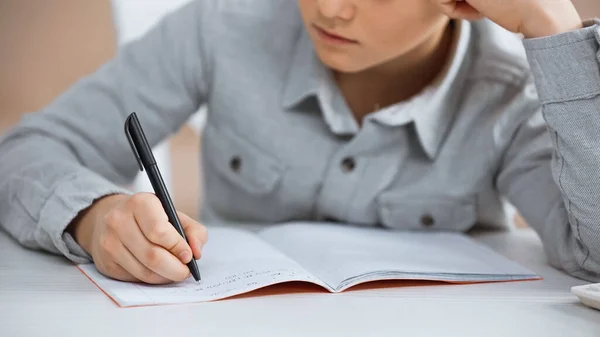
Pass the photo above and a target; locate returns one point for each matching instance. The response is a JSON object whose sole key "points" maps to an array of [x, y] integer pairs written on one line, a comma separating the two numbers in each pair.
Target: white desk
{"points": [[44, 295]]}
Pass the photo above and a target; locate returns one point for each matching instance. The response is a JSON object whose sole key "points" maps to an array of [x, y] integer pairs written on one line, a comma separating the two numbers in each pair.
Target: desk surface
{"points": [[45, 295]]}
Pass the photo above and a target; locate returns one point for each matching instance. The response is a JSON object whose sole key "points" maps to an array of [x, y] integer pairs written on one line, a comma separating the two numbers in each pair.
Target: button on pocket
{"points": [[241, 163], [427, 220], [419, 213], [348, 164], [235, 164]]}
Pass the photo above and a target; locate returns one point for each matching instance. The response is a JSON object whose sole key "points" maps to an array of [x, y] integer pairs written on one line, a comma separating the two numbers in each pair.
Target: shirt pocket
{"points": [[427, 213], [242, 179]]}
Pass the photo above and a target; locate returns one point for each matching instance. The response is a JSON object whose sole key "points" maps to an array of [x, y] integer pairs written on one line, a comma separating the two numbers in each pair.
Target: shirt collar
{"points": [[431, 111], [437, 104], [309, 77], [304, 74]]}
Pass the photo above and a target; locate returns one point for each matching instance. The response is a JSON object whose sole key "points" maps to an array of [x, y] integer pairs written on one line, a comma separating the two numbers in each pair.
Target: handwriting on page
{"points": [[233, 262], [220, 286], [246, 279]]}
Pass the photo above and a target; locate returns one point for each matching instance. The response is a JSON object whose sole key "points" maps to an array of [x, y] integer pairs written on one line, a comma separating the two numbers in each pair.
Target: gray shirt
{"points": [[509, 119]]}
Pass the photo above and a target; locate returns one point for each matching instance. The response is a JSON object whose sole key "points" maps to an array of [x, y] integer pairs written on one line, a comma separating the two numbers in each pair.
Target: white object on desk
{"points": [[588, 294], [45, 295]]}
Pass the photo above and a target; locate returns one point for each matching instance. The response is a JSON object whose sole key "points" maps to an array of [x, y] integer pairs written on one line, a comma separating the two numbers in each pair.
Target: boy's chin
{"points": [[342, 63]]}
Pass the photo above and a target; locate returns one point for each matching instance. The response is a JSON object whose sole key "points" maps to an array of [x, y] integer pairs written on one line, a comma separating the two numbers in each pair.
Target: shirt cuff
{"points": [[70, 197], [566, 66]]}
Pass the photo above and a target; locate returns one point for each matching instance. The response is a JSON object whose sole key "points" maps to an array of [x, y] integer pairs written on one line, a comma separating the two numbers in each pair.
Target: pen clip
{"points": [[130, 139]]}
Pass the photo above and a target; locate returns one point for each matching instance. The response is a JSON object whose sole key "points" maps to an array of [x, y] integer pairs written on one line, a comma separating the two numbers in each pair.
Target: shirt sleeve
{"points": [[57, 161], [551, 170]]}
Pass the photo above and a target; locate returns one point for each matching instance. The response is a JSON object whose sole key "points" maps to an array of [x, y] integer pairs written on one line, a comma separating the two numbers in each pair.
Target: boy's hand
{"points": [[532, 18], [131, 239]]}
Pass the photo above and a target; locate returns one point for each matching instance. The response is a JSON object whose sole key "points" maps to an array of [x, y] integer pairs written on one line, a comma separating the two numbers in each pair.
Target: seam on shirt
{"points": [[21, 181], [559, 182], [52, 195], [572, 97], [57, 239], [587, 251], [26, 211], [562, 44], [60, 245], [568, 201], [22, 229], [560, 173]]}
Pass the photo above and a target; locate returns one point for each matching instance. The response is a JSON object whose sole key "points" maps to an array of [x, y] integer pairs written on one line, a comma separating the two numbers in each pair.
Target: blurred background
{"points": [[47, 45]]}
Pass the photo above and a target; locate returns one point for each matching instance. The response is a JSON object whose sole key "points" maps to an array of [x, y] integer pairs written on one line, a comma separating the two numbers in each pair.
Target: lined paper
{"points": [[334, 257], [344, 256], [233, 262]]}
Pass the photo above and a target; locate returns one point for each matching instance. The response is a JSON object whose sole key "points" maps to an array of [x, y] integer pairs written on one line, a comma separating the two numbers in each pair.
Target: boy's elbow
{"points": [[577, 256]]}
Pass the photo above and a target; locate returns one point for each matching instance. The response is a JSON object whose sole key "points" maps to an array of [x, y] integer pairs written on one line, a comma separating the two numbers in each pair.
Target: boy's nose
{"points": [[342, 9]]}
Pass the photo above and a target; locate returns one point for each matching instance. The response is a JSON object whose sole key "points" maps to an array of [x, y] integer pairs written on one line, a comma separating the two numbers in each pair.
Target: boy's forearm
{"points": [[566, 71]]}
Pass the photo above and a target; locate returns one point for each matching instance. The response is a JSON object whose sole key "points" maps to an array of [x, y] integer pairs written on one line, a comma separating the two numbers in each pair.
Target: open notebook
{"points": [[335, 257]]}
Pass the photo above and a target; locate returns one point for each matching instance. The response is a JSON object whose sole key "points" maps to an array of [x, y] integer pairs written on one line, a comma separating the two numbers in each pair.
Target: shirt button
{"points": [[235, 164], [427, 220], [348, 164]]}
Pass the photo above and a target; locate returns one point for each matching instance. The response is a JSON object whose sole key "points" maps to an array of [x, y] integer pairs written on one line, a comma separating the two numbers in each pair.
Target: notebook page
{"points": [[342, 255], [233, 262]]}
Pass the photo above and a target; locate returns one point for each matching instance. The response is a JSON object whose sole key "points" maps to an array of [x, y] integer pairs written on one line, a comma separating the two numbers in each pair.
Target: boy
{"points": [[406, 114]]}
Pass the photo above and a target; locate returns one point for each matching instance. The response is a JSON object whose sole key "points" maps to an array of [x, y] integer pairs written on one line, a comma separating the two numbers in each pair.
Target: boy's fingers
{"points": [[152, 256], [156, 227], [118, 263], [156, 258], [196, 233], [457, 9], [465, 11], [130, 265]]}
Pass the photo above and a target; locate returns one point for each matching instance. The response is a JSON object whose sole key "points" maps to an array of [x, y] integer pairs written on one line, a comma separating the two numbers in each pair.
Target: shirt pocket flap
{"points": [[450, 214], [241, 163]]}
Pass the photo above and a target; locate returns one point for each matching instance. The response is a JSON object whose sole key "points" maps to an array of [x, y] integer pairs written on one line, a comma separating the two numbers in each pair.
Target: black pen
{"points": [[145, 158]]}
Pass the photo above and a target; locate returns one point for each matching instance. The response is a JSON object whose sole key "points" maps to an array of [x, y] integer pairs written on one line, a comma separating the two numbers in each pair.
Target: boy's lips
{"points": [[333, 38]]}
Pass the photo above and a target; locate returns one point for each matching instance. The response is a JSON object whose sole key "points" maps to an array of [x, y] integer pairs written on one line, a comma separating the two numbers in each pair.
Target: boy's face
{"points": [[369, 32]]}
